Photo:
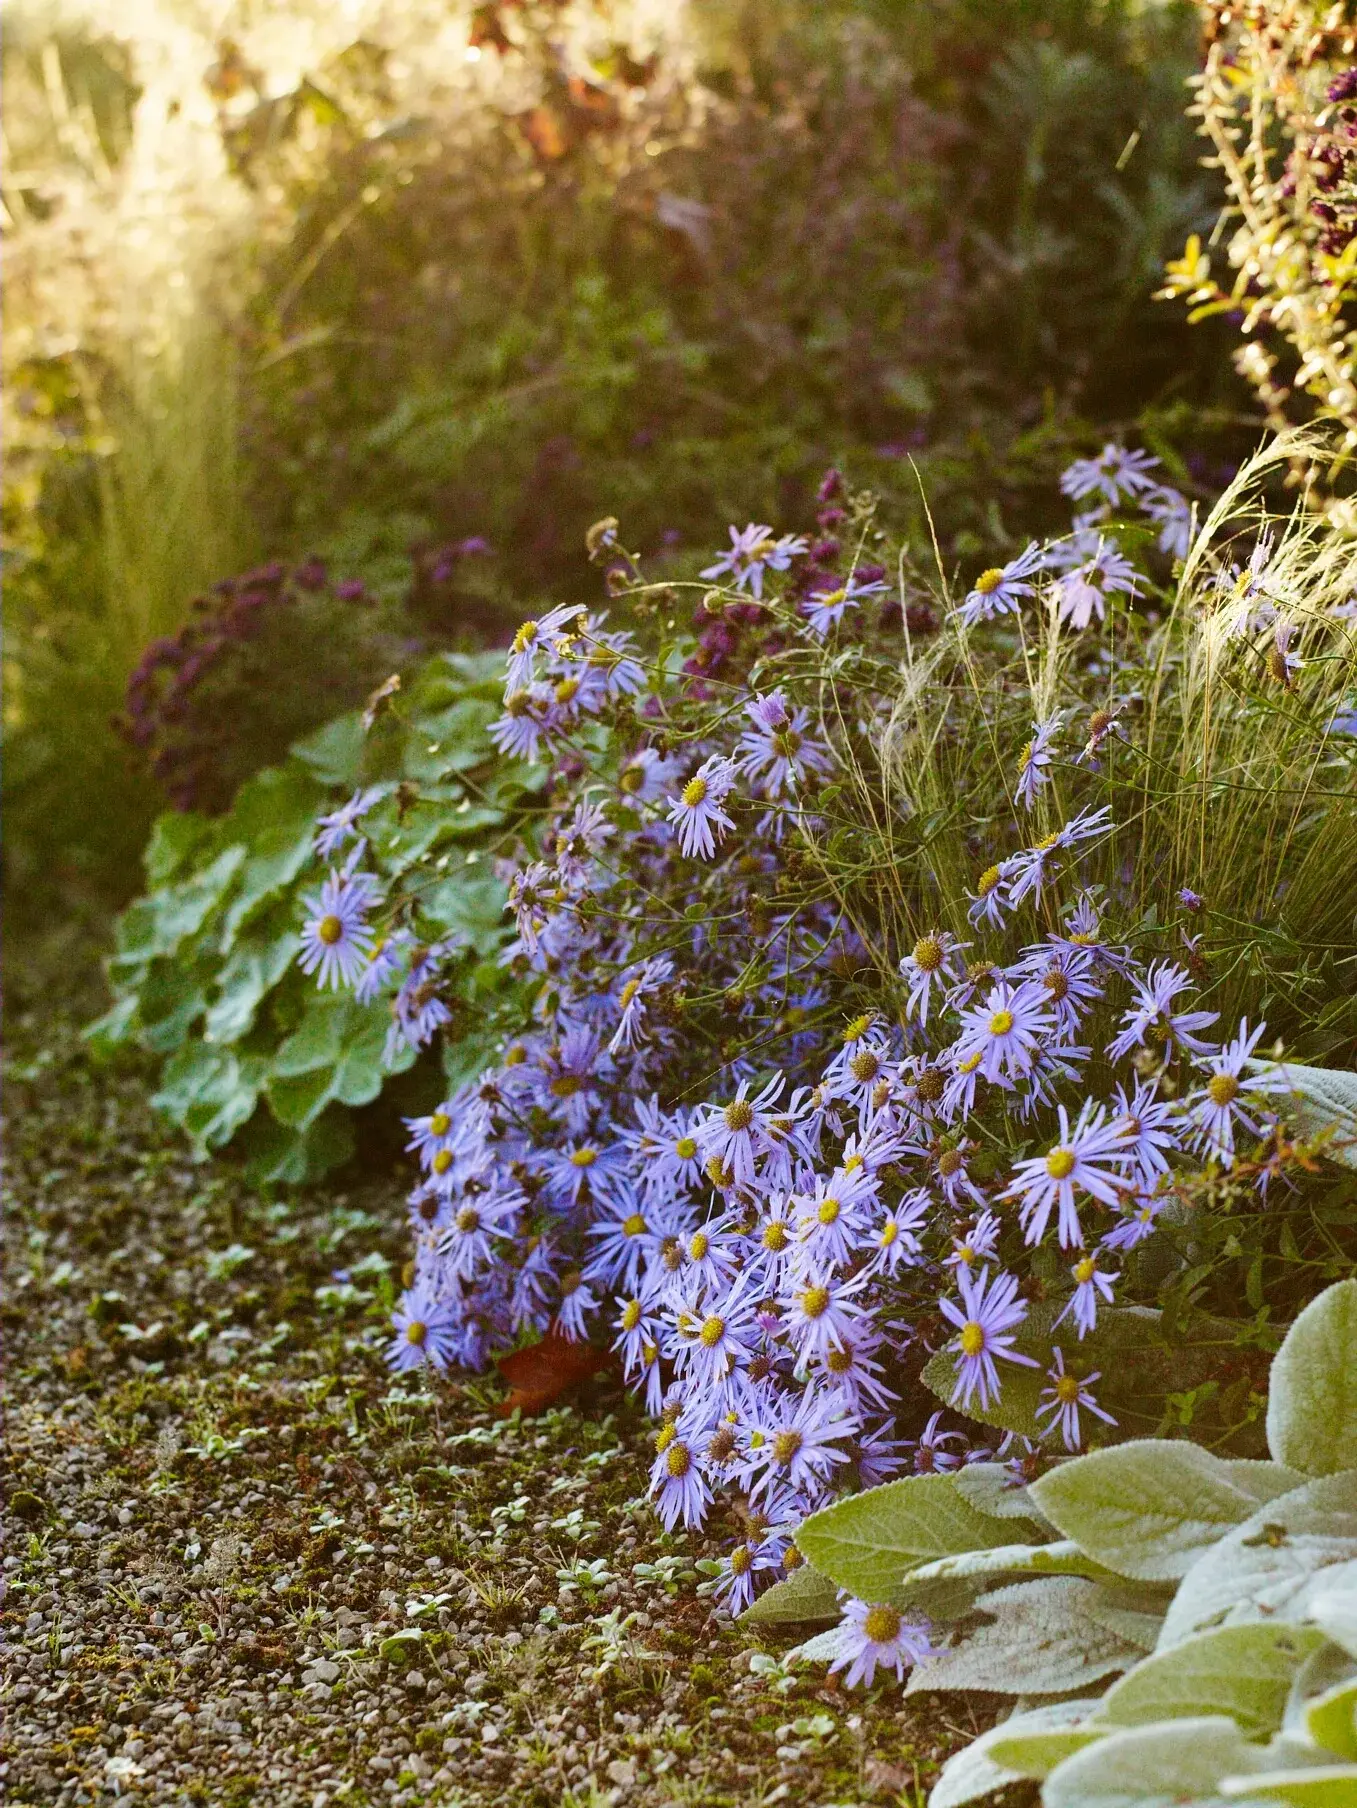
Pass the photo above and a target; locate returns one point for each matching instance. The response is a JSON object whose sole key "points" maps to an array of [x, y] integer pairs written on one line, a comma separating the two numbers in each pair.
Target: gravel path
{"points": [[242, 1565]]}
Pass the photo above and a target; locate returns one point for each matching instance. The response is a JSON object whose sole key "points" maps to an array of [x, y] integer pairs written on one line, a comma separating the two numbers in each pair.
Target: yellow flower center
{"points": [[969, 1065], [524, 638], [865, 1066], [583, 1158], [838, 1362], [1084, 1271], [828, 1210], [741, 1560], [987, 881], [713, 1330], [989, 581], [693, 792], [416, 1331], [699, 1246], [685, 1148], [775, 1237], [1222, 1089], [629, 992], [814, 1301], [566, 690], [439, 1124], [792, 1559], [468, 1218], [881, 1625], [633, 1226], [928, 953], [631, 1315], [889, 1232], [1060, 1164], [329, 930], [739, 1114], [851, 1163], [858, 1027], [930, 1084], [1001, 1023], [566, 1085], [785, 1446], [1047, 842], [1067, 1390], [949, 1162], [678, 1462], [664, 1437], [972, 1338], [442, 1161]]}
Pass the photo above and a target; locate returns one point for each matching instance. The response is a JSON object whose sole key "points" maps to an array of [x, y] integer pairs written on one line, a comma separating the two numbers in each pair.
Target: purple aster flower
{"points": [[336, 938], [427, 1330], [341, 825], [1215, 1111], [1090, 1284], [696, 812], [731, 1134], [533, 638], [822, 1312], [1081, 594], [1089, 1158], [1152, 1021], [577, 1303], [518, 733], [680, 1489], [1006, 1031], [824, 609], [777, 753], [647, 776], [1000, 590], [633, 996], [990, 898], [931, 1453], [1114, 476], [872, 1637], [985, 1322], [932, 961], [1171, 511], [799, 1447], [1034, 759], [383, 966], [752, 551], [1151, 1131], [735, 1585], [1062, 1400]]}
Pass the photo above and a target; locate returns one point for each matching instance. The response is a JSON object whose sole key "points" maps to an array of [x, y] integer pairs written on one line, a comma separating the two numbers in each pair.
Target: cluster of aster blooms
{"points": [[774, 1215]]}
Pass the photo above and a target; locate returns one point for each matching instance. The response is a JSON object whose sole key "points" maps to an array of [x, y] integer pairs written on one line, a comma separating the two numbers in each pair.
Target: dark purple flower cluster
{"points": [[267, 656]]}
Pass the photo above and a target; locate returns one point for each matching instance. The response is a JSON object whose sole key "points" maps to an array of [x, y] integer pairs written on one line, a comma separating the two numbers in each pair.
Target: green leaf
{"points": [[1148, 1508], [175, 838], [180, 911], [279, 1155], [1047, 1637], [1173, 1764], [1331, 1719], [210, 1092], [804, 1595], [171, 1000], [990, 1488], [1323, 1786], [973, 1773], [275, 817], [868, 1542], [1312, 1399], [250, 974], [469, 902], [115, 1029], [1062, 1558], [1243, 1671], [1295, 1549], [1035, 1753], [334, 754]]}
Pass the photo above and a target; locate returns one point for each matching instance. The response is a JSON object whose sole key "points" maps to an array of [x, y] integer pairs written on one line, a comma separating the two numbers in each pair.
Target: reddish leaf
{"points": [[544, 1371]]}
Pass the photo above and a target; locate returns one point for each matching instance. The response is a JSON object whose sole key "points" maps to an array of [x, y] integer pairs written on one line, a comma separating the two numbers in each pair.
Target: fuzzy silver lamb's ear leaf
{"points": [[1312, 1391], [1323, 1103], [970, 1774], [990, 1488], [1046, 1637], [1287, 1555], [1172, 1761], [869, 1542], [1243, 1671], [1146, 1509], [804, 1596], [1061, 1558]]}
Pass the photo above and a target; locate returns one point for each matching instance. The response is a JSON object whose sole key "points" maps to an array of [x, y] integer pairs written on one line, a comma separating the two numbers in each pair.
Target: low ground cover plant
{"points": [[204, 971], [890, 962]]}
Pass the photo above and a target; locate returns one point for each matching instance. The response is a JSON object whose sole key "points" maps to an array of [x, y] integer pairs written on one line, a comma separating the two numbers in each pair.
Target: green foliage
{"points": [[1221, 1596], [204, 973]]}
